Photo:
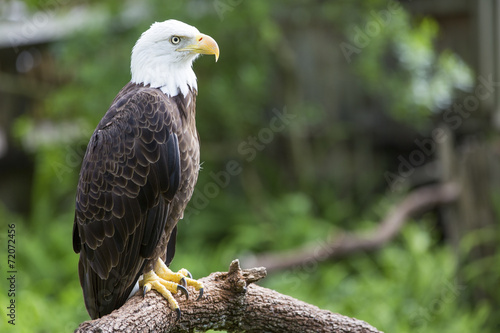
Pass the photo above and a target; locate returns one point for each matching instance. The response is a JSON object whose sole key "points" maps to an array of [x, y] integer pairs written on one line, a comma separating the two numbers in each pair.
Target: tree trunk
{"points": [[230, 303]]}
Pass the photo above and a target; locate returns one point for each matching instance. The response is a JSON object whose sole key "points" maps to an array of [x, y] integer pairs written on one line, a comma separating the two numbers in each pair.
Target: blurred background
{"points": [[320, 118]]}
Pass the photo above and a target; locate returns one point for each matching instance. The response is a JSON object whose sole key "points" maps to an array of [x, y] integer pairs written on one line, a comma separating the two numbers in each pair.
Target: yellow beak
{"points": [[204, 45]]}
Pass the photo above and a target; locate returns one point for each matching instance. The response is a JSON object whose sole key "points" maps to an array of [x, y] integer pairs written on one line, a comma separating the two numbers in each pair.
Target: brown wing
{"points": [[129, 176]]}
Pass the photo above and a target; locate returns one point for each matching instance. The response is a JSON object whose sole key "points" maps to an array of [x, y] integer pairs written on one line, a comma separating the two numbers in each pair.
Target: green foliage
{"points": [[48, 295], [415, 79], [409, 286]]}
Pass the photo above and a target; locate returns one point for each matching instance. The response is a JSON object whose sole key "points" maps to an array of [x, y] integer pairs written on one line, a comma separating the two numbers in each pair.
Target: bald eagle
{"points": [[139, 172]]}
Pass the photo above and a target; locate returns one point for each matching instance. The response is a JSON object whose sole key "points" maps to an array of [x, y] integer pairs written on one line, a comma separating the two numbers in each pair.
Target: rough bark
{"points": [[343, 244], [231, 303]]}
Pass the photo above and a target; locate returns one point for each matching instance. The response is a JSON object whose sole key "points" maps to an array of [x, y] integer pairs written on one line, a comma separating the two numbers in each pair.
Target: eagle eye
{"points": [[175, 40]]}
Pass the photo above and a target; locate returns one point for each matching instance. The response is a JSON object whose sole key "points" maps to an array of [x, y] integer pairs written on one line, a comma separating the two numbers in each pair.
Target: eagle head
{"points": [[164, 54]]}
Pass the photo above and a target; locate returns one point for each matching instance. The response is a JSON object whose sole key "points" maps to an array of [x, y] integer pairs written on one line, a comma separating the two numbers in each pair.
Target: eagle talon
{"points": [[185, 272], [178, 311], [200, 295], [168, 283], [146, 289], [183, 290]]}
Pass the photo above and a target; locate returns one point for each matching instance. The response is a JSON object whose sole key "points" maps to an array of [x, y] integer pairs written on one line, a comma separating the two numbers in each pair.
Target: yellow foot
{"points": [[166, 282]]}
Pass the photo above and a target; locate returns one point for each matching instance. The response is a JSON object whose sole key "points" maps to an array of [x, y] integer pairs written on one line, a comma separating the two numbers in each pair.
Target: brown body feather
{"points": [[137, 177]]}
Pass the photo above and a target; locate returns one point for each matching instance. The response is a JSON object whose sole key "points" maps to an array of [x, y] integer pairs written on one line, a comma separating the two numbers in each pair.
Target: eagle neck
{"points": [[157, 72]]}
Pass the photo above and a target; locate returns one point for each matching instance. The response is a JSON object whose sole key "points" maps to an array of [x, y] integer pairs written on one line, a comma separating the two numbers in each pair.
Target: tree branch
{"points": [[232, 303], [344, 244]]}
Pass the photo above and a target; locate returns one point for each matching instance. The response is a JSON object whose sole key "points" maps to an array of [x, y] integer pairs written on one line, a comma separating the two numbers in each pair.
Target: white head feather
{"points": [[162, 63]]}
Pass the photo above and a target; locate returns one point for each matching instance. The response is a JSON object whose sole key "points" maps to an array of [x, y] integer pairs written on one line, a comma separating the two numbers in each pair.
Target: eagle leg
{"points": [[182, 277], [166, 282]]}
